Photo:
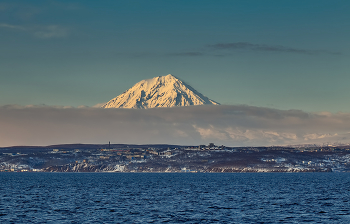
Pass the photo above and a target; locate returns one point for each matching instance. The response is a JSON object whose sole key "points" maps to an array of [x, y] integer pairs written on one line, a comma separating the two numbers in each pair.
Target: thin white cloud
{"points": [[5, 25], [52, 31], [314, 136], [211, 133], [228, 125], [42, 32]]}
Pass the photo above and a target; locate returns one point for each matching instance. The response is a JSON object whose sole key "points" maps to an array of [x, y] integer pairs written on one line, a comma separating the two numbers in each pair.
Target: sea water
{"points": [[174, 198]]}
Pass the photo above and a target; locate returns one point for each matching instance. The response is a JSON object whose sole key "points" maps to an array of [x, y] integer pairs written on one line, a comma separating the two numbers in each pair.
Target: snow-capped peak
{"points": [[161, 91]]}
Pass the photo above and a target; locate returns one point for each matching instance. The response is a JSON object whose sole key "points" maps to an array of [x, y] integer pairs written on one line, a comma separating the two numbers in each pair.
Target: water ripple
{"points": [[174, 198]]}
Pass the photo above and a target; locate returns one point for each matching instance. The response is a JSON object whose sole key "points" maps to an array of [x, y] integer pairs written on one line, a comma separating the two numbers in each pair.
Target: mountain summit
{"points": [[162, 91]]}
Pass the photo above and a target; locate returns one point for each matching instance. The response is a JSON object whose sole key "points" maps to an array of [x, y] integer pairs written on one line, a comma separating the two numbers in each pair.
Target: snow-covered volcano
{"points": [[162, 91]]}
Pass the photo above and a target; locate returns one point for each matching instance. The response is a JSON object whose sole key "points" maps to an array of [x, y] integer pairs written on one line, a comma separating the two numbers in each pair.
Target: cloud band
{"points": [[238, 125]]}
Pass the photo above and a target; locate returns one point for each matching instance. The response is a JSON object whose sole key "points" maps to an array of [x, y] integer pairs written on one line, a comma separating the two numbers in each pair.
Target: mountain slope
{"points": [[162, 91]]}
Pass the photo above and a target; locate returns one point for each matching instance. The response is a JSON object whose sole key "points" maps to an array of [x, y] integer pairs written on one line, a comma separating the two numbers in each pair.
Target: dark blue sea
{"points": [[174, 198]]}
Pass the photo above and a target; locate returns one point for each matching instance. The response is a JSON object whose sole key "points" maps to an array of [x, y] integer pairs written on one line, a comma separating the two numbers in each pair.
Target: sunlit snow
{"points": [[162, 91]]}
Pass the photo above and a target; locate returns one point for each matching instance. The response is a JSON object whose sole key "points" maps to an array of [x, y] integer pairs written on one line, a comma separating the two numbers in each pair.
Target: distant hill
{"points": [[24, 149]]}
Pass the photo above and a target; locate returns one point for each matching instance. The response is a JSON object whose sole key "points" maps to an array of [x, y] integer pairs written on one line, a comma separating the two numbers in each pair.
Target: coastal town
{"points": [[174, 158]]}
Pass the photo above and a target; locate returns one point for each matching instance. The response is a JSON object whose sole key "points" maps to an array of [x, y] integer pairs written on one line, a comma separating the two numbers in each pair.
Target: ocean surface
{"points": [[174, 197]]}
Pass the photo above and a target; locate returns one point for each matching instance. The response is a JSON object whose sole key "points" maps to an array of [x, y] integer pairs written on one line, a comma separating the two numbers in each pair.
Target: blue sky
{"points": [[279, 54]]}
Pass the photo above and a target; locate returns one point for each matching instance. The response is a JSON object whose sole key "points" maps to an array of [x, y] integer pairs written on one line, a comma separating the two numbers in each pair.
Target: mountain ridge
{"points": [[161, 91]]}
